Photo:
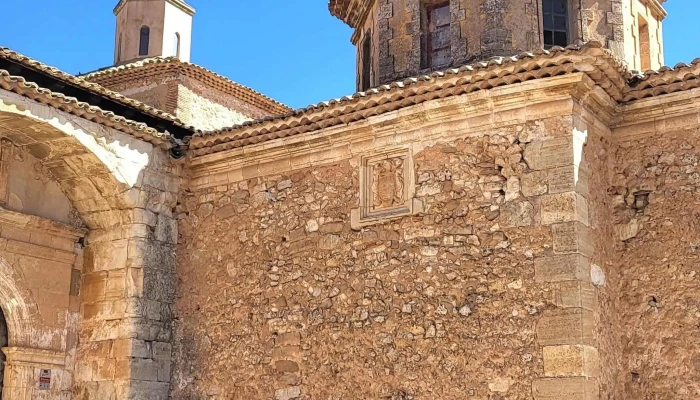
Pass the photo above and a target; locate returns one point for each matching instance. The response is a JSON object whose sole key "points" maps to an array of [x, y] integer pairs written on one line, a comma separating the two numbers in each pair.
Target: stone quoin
{"points": [[508, 208]]}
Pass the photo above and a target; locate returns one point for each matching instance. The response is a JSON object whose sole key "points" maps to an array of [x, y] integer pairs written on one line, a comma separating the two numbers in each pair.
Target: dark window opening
{"points": [[438, 40], [366, 82], [119, 49], [555, 22], [144, 40]]}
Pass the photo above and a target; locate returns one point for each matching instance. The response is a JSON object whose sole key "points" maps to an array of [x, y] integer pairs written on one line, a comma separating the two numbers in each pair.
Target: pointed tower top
{"points": [[177, 3]]}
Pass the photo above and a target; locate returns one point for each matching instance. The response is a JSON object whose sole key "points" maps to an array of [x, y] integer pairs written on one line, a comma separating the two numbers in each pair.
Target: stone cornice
{"points": [[352, 12], [34, 357], [670, 113], [418, 126], [657, 9], [180, 4]]}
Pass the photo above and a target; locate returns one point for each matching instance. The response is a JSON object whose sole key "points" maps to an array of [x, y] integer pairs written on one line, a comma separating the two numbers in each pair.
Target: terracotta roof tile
{"points": [[19, 85], [95, 88], [608, 73], [125, 72], [663, 81], [495, 72]]}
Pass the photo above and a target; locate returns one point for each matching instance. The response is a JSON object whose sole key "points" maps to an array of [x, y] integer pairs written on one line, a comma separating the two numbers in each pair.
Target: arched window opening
{"points": [[144, 40], [176, 45], [119, 49], [644, 45], [555, 21]]}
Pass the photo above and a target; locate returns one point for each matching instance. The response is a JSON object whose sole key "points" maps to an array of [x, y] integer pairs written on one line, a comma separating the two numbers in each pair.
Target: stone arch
{"points": [[97, 167], [124, 189], [17, 308]]}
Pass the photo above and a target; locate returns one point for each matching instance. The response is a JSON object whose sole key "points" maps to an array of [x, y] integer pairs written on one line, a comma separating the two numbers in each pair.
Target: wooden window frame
{"points": [[567, 30], [428, 50]]}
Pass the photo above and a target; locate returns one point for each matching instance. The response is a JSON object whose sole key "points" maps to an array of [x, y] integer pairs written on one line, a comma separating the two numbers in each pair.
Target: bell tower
{"points": [[396, 39], [153, 28]]}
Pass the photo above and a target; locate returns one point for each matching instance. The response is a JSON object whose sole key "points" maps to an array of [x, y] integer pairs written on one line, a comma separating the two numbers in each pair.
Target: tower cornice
{"points": [[352, 12], [177, 3], [657, 8]]}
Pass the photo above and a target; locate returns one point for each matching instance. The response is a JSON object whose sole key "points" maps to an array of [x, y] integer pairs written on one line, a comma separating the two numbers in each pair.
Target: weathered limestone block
{"points": [[575, 294], [564, 207], [572, 237], [567, 360], [578, 388], [566, 327], [534, 184], [290, 393], [548, 154], [569, 267], [562, 179]]}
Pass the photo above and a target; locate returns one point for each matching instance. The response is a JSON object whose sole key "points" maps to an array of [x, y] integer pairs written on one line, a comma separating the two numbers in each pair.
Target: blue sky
{"points": [[294, 51]]}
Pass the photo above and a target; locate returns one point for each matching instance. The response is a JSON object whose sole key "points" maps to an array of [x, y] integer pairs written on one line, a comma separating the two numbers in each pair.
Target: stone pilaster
{"points": [[127, 296], [386, 34], [566, 331]]}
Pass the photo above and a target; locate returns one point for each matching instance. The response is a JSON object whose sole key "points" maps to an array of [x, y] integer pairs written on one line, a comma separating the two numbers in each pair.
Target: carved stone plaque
{"points": [[388, 183], [386, 187]]}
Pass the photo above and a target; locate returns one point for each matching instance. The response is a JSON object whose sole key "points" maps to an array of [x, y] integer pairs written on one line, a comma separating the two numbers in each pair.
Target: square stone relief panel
{"points": [[387, 187]]}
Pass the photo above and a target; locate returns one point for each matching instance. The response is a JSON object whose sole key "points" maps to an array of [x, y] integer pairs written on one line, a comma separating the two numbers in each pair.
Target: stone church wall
{"points": [[363, 312], [656, 198], [483, 293]]}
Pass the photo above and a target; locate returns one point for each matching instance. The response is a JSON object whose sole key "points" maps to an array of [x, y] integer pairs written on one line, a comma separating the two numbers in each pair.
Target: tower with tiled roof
{"points": [[396, 39], [150, 28], [152, 65]]}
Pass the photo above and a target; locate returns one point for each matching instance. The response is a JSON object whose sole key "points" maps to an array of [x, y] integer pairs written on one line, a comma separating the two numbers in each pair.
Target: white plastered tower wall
{"points": [[644, 48], [169, 21]]}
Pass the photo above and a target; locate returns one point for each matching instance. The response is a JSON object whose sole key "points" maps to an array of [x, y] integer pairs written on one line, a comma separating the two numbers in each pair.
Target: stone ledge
{"points": [[40, 224], [34, 357]]}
